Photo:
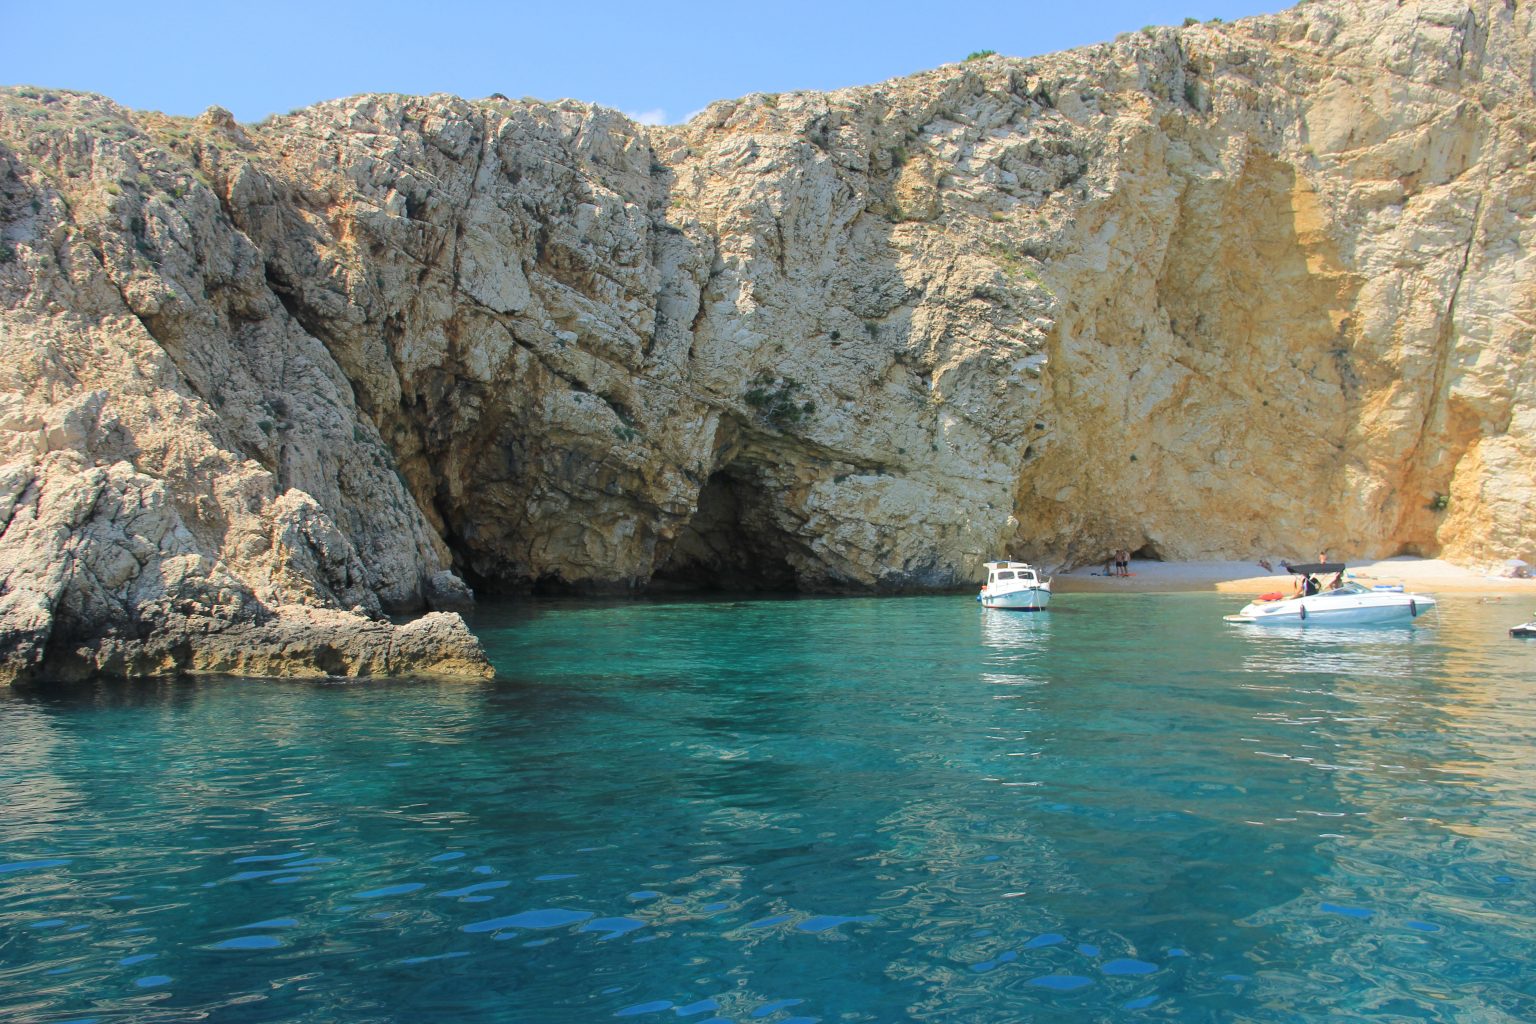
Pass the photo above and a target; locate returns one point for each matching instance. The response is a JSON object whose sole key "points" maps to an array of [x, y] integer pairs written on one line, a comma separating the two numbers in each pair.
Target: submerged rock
{"points": [[1199, 292]]}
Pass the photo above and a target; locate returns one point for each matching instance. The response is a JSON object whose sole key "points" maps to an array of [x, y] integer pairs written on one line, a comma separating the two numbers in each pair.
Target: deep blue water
{"points": [[783, 811]]}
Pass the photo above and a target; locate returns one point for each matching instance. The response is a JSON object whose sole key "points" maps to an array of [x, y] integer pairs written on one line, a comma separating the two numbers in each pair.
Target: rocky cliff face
{"points": [[1202, 292]]}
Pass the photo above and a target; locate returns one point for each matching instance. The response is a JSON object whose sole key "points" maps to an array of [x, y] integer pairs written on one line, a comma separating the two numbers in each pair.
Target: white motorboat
{"points": [[1526, 630], [1339, 603], [1016, 586]]}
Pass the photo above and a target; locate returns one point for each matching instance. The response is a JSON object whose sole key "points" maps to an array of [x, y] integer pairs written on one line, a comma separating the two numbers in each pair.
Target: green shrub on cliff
{"points": [[776, 400]]}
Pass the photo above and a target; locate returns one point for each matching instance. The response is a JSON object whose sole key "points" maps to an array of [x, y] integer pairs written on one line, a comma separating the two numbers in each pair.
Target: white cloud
{"points": [[657, 116]]}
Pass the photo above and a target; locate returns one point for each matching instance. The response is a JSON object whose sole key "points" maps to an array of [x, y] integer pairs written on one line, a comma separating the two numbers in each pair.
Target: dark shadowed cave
{"points": [[732, 542]]}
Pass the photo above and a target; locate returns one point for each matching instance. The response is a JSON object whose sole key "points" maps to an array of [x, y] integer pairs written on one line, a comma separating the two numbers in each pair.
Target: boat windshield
{"points": [[1005, 575], [1347, 588]]}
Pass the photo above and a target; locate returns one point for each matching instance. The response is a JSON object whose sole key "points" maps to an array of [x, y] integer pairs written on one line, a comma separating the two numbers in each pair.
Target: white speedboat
{"points": [[1339, 603], [1525, 629], [1016, 586]]}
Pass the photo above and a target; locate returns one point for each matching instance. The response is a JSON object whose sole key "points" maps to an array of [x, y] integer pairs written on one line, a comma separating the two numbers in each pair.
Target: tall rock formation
{"points": [[1208, 291]]}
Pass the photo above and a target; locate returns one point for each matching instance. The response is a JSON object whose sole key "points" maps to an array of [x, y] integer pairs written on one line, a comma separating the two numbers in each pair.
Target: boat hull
{"points": [[1025, 599], [1337, 610]]}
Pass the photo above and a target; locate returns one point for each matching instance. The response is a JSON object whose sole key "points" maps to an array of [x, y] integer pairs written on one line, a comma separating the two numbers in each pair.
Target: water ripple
{"points": [[915, 810]]}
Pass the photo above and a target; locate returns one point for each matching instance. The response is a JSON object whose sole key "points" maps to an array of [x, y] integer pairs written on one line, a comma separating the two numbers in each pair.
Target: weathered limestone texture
{"points": [[1202, 292], [186, 481]]}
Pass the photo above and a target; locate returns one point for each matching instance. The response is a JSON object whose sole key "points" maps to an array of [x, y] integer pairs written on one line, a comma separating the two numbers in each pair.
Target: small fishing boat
{"points": [[1016, 586], [1339, 603], [1525, 629]]}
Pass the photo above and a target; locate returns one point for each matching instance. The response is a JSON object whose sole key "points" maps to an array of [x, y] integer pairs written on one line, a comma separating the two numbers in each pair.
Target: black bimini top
{"points": [[1314, 568]]}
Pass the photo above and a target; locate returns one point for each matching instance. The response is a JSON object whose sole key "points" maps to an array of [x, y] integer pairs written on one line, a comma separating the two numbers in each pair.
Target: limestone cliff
{"points": [[1209, 291]]}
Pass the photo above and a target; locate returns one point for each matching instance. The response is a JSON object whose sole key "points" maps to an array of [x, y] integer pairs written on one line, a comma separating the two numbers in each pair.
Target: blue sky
{"points": [[660, 61]]}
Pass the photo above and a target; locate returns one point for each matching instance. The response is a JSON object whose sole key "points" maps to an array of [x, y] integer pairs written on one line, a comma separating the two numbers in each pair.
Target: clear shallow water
{"points": [[786, 811]]}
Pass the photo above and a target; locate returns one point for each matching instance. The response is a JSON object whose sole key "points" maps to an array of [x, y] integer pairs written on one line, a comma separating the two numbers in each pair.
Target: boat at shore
{"points": [[1015, 586], [1340, 603]]}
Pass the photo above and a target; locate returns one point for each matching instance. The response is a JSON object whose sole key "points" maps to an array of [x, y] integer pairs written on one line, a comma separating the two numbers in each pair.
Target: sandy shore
{"points": [[1425, 575]]}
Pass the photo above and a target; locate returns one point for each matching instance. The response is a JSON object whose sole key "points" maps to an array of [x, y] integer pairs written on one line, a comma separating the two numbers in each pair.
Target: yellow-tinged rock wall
{"points": [[1216, 291]]}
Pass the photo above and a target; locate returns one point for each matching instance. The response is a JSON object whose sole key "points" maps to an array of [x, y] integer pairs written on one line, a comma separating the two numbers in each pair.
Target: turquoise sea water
{"points": [[783, 811]]}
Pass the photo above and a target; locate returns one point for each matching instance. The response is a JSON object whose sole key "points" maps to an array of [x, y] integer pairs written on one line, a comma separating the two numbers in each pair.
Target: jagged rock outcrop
{"points": [[1206, 291], [185, 481]]}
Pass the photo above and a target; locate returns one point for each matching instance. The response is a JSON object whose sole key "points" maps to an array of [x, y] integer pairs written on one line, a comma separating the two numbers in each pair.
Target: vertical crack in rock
{"points": [[1449, 428]]}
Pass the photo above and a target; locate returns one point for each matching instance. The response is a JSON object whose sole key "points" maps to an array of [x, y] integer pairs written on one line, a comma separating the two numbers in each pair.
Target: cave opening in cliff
{"points": [[732, 541]]}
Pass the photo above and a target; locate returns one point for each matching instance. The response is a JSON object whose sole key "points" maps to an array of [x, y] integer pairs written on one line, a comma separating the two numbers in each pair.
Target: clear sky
{"points": [[659, 61]]}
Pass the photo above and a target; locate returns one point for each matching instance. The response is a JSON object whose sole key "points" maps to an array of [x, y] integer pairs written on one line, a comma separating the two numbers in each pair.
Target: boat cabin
{"points": [[1011, 572]]}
